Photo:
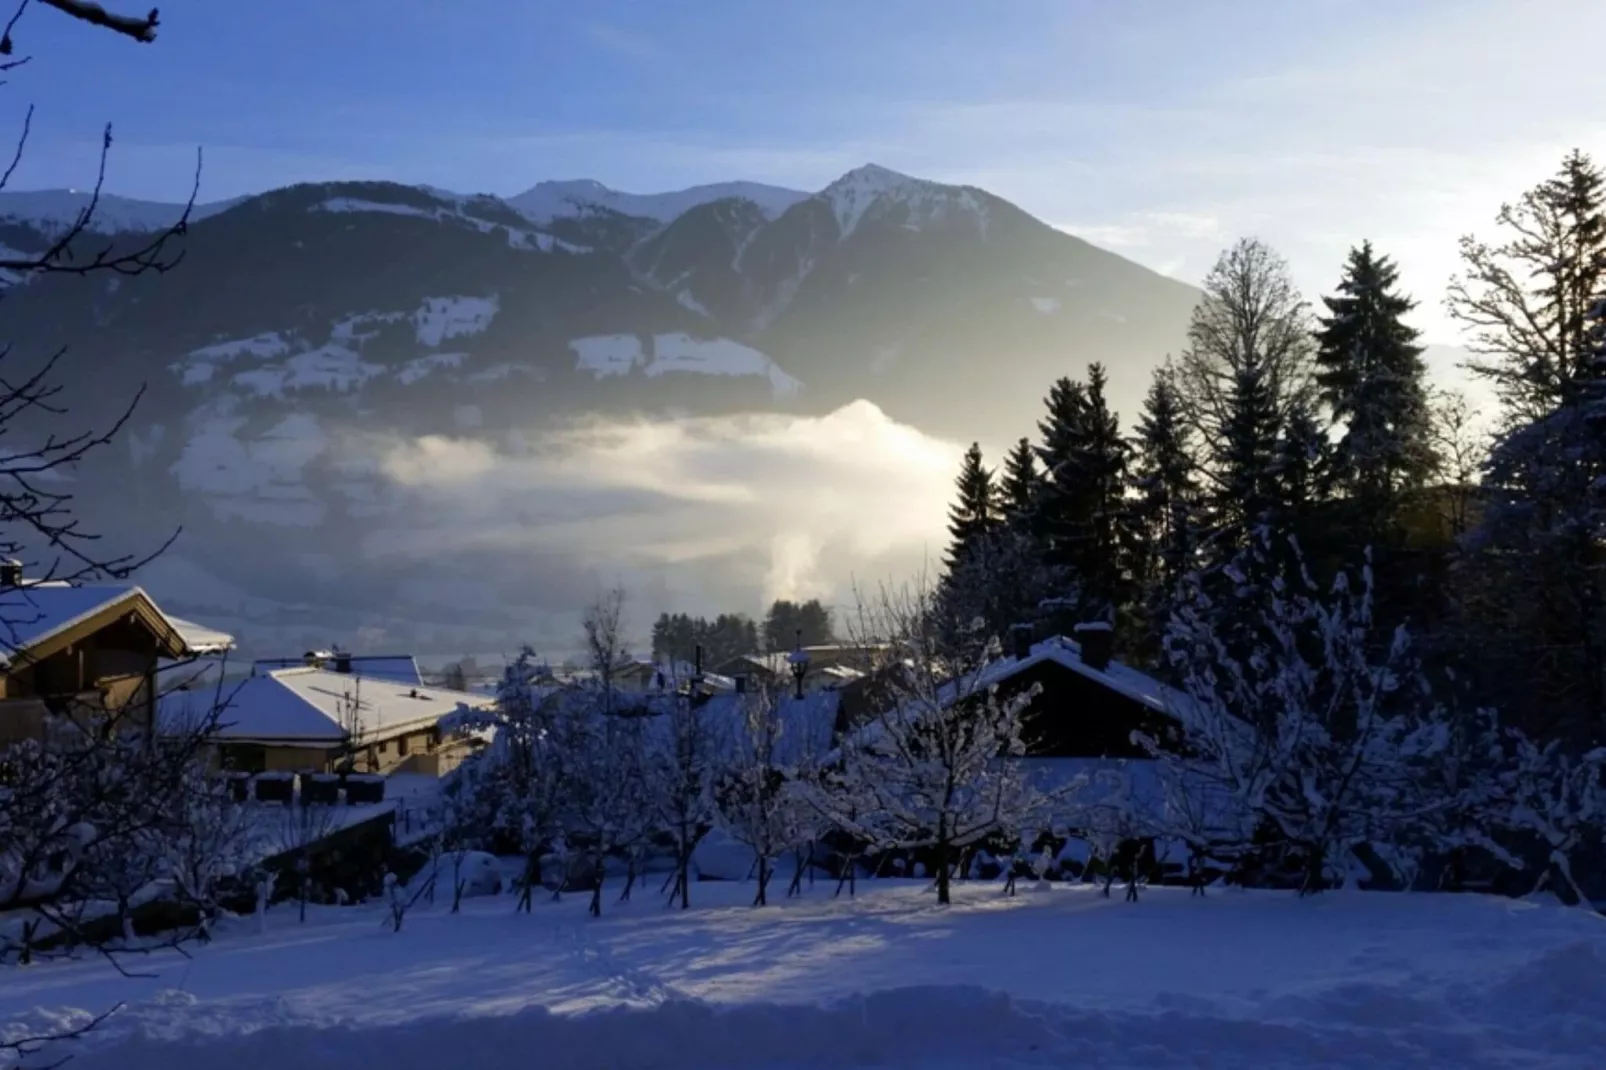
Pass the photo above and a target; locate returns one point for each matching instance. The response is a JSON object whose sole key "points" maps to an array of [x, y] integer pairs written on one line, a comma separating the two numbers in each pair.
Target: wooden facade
{"points": [[421, 750], [102, 667]]}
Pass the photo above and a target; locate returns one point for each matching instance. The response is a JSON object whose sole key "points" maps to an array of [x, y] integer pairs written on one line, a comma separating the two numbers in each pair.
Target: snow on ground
{"points": [[1053, 977], [440, 318]]}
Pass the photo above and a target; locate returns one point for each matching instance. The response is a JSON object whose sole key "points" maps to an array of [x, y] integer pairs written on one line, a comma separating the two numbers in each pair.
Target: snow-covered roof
{"points": [[397, 668], [36, 612], [199, 638], [1067, 653], [307, 705]]}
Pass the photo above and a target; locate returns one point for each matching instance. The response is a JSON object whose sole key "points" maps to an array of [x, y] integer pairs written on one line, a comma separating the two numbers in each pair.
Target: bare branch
{"points": [[141, 29]]}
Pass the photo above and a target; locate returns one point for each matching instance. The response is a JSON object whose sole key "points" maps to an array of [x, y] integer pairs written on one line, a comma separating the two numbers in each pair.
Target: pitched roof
{"points": [[1067, 653], [35, 613], [308, 706], [397, 668]]}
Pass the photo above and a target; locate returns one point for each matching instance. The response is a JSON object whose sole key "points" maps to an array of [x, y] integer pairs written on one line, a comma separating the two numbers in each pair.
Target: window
{"points": [[383, 747], [401, 746]]}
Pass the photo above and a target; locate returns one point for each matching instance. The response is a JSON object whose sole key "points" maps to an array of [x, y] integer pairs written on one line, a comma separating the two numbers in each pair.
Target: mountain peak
{"points": [[852, 195]]}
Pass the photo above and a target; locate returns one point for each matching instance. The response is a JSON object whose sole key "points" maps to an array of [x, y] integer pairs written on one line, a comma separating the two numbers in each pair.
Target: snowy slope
{"points": [[53, 210], [1055, 977], [547, 200]]}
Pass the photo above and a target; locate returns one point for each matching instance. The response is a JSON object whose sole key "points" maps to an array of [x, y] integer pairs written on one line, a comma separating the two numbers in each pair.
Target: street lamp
{"points": [[800, 663]]}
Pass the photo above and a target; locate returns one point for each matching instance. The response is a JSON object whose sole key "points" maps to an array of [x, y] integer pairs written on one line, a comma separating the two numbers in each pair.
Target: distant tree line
{"points": [[676, 636]]}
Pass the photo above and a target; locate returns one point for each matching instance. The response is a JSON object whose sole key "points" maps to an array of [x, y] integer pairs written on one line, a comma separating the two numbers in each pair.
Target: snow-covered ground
{"points": [[1053, 977]]}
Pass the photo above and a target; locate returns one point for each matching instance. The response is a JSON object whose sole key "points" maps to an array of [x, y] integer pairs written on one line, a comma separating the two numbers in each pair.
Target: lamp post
{"points": [[800, 663]]}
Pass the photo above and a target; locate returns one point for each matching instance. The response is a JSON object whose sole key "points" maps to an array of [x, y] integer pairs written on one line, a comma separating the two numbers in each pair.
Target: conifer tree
{"points": [[1020, 484], [975, 514], [1163, 514], [1373, 381], [1079, 507]]}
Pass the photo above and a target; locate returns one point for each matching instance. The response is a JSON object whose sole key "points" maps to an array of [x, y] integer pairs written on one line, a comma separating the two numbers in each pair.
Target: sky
{"points": [[1160, 129]]}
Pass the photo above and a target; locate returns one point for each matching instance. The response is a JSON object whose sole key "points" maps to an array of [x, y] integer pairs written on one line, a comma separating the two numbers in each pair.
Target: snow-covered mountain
{"points": [[317, 338], [548, 200], [54, 210]]}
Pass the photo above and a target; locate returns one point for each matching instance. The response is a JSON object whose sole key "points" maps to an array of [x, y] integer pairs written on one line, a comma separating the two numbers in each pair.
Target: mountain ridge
{"points": [[309, 323]]}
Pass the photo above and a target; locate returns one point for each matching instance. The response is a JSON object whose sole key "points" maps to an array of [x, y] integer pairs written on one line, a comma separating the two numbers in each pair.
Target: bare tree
{"points": [[686, 761], [1247, 372], [933, 770], [1460, 443], [606, 649]]}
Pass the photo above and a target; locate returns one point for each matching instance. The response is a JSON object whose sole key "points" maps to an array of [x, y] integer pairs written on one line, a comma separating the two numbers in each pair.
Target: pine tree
{"points": [[975, 514], [1372, 379], [1163, 516]]}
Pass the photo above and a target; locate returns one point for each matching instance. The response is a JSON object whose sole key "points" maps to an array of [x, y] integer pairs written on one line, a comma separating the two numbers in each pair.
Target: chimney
{"points": [[1020, 637], [10, 573], [1096, 638]]}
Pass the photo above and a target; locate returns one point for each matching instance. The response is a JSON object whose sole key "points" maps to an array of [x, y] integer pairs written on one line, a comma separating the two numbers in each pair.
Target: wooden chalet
{"points": [[87, 651]]}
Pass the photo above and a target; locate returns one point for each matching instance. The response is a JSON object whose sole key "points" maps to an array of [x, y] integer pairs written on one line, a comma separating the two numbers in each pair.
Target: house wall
{"points": [[112, 668], [420, 751], [1077, 717]]}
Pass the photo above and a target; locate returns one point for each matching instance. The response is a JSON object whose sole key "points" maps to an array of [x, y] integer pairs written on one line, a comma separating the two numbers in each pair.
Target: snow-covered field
{"points": [[1053, 977]]}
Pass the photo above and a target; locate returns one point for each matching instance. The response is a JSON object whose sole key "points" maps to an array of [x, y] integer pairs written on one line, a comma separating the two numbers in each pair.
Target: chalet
{"points": [[309, 719], [90, 650]]}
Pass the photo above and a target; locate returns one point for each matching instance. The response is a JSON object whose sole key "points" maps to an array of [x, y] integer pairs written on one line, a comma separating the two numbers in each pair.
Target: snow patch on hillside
{"points": [[53, 211], [505, 370], [1046, 305], [424, 367], [329, 367], [353, 328], [548, 200], [259, 478], [680, 352], [517, 238], [440, 318], [199, 365], [685, 299], [606, 355]]}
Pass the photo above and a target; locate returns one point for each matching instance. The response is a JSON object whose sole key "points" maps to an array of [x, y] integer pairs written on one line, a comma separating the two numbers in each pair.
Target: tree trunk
{"points": [[596, 889], [763, 882], [943, 875]]}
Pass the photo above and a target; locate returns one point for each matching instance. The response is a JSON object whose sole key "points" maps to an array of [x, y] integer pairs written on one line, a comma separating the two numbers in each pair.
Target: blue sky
{"points": [[1159, 128]]}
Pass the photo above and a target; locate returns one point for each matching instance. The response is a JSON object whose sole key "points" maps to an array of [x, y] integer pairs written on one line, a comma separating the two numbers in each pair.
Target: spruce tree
{"points": [[1100, 471], [1020, 484], [1373, 381], [975, 514], [1163, 514]]}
